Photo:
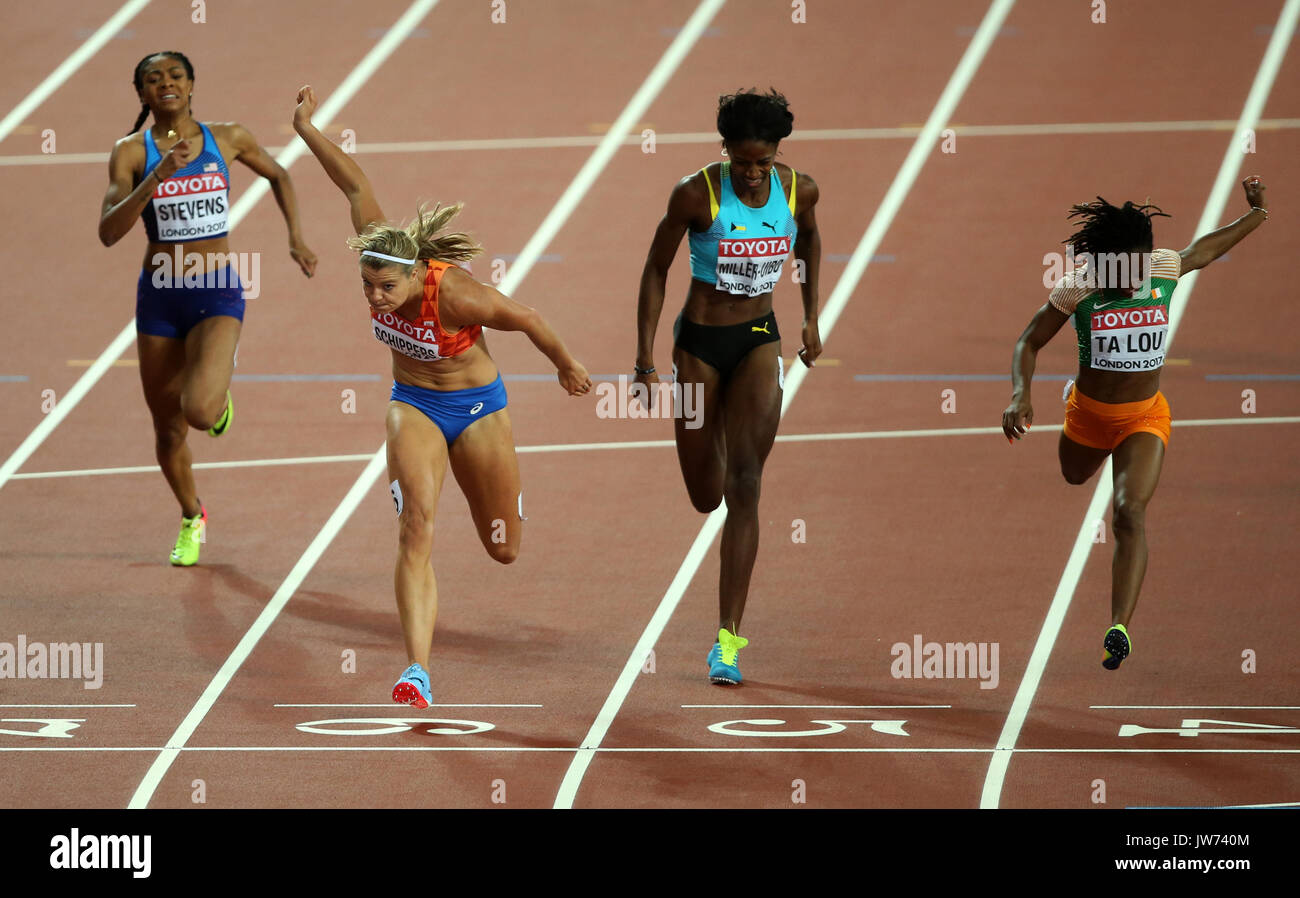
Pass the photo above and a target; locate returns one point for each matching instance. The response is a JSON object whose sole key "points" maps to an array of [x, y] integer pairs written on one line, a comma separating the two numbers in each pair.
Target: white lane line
{"points": [[1196, 707], [198, 466], [1224, 184], [396, 707], [631, 444], [839, 297], [67, 706], [160, 765], [477, 145], [369, 64], [76, 60], [259, 188], [1066, 128], [632, 113], [581, 183], [654, 749], [1218, 422], [827, 707]]}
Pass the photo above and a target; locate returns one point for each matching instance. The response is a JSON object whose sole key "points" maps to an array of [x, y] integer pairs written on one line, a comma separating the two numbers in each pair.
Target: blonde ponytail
{"points": [[421, 239]]}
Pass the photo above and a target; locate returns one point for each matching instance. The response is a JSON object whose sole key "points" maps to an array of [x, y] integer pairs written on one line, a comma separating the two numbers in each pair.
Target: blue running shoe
{"points": [[724, 658], [413, 688]]}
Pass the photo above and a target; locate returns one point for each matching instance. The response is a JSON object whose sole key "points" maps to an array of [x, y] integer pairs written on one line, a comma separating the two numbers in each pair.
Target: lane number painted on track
{"points": [[828, 727], [1196, 726], [387, 726], [52, 727]]}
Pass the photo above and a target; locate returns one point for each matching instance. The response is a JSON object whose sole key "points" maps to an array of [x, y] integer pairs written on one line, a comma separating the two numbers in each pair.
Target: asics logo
{"points": [[761, 330], [476, 409]]}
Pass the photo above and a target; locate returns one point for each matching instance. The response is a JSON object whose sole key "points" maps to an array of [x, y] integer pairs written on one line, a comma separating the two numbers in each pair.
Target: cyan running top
{"points": [[194, 203], [744, 250]]}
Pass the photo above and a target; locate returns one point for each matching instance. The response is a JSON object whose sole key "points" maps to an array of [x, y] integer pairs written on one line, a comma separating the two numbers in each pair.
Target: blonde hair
{"points": [[421, 239]]}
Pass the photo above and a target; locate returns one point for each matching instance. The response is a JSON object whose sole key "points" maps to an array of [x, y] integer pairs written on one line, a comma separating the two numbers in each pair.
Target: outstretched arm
{"points": [[1209, 247], [654, 276], [1020, 414], [249, 152], [808, 250], [464, 302], [341, 167]]}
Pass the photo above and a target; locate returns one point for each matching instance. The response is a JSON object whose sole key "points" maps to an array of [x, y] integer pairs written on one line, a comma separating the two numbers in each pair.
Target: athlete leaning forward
{"points": [[745, 217], [448, 401], [173, 175], [1115, 407]]}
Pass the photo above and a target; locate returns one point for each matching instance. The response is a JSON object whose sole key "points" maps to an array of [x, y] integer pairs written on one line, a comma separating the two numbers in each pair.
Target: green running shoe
{"points": [[193, 532], [724, 658], [1115, 647], [223, 423]]}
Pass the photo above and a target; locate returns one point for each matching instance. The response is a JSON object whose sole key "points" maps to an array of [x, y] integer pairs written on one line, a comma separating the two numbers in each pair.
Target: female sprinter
{"points": [[1116, 407], [174, 176], [448, 401], [744, 216]]}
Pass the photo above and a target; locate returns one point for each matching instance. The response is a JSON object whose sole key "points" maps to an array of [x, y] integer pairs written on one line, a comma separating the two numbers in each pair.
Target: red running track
{"points": [[953, 537]]}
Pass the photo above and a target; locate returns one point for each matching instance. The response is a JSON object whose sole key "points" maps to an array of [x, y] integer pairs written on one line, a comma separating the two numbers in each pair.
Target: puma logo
{"points": [[761, 330], [772, 226]]}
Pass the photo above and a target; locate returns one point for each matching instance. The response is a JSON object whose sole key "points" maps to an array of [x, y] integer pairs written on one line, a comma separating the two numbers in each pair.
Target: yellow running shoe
{"points": [[724, 658], [193, 532], [223, 423], [1115, 647]]}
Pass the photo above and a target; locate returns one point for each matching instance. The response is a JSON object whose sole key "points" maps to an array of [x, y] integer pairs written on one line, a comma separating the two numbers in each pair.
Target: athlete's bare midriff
{"points": [[706, 304], [1108, 386], [472, 368]]}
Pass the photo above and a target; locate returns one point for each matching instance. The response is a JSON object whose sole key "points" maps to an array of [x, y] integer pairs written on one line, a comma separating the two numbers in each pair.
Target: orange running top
{"points": [[424, 339]]}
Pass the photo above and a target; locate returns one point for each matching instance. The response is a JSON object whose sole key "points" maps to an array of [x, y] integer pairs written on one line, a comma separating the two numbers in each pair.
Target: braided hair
{"points": [[139, 81], [1113, 242], [1112, 229], [750, 115]]}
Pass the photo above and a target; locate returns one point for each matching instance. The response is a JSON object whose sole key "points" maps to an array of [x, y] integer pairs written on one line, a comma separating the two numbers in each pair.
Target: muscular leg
{"points": [[483, 460], [1079, 462], [417, 460], [701, 451], [162, 372], [752, 410], [1137, 470], [210, 350]]}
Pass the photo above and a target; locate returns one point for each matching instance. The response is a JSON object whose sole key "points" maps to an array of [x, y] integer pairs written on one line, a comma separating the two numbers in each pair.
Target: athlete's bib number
{"points": [[1129, 339], [414, 341], [190, 208], [751, 267]]}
